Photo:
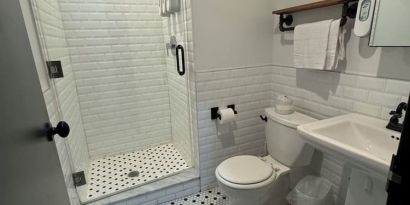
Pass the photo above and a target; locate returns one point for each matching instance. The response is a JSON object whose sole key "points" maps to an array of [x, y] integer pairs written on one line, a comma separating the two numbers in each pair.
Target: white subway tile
{"points": [[378, 84], [384, 99], [398, 87], [356, 93], [367, 109]]}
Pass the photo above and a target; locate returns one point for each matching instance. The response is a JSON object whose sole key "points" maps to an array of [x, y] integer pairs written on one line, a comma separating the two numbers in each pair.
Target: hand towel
{"points": [[335, 47], [341, 52], [310, 45], [332, 45]]}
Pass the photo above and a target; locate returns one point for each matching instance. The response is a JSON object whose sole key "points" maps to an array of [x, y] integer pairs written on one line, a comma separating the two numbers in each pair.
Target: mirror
{"points": [[391, 24]]}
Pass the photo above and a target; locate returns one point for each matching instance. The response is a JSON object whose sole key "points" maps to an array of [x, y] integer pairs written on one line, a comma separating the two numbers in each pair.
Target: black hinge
{"points": [[55, 70], [79, 179]]}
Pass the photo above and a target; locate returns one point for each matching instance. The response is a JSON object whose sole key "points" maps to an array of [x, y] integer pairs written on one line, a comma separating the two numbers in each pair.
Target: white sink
{"points": [[362, 140]]}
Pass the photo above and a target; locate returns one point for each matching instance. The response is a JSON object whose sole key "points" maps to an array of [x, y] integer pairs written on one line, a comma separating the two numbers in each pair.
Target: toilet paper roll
{"points": [[226, 116]]}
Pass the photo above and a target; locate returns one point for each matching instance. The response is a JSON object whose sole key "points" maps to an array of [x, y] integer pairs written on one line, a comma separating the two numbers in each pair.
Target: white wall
{"points": [[248, 89], [179, 25], [360, 58], [117, 53], [232, 45], [357, 87], [231, 33], [280, 4], [236, 27]]}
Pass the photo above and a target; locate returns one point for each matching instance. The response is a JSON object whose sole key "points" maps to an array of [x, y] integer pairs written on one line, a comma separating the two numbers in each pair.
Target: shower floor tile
{"points": [[210, 197], [121, 172]]}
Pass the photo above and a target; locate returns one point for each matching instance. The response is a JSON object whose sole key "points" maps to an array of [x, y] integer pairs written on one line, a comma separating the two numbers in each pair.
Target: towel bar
{"points": [[286, 18]]}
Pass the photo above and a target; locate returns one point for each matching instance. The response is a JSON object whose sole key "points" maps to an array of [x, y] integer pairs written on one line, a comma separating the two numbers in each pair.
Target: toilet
{"points": [[252, 180]]}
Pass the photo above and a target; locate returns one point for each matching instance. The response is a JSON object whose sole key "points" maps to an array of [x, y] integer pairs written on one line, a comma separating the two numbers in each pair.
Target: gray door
{"points": [[30, 171]]}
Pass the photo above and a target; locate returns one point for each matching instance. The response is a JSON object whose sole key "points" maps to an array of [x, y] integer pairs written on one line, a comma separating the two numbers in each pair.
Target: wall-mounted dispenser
{"points": [[172, 6], [168, 7], [364, 17]]}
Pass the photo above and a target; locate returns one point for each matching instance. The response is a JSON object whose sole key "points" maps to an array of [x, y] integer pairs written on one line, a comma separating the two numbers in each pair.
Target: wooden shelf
{"points": [[304, 7]]}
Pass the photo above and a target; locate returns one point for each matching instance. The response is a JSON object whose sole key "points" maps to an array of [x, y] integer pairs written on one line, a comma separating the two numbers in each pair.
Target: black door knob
{"points": [[62, 129]]}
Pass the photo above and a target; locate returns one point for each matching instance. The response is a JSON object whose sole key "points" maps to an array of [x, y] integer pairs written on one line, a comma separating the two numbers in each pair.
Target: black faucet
{"points": [[396, 115]]}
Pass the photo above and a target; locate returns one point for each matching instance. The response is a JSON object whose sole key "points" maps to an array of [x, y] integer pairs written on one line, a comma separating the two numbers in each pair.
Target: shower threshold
{"points": [[115, 174]]}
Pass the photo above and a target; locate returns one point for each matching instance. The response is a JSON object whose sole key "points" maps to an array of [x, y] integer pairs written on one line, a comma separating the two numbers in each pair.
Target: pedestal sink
{"points": [[361, 140]]}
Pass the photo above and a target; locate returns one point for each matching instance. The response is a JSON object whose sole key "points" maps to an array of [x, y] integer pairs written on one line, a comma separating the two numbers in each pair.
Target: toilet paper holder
{"points": [[215, 115]]}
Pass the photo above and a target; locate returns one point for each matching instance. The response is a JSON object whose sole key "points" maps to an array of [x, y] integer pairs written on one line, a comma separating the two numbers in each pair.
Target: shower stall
{"points": [[125, 93]]}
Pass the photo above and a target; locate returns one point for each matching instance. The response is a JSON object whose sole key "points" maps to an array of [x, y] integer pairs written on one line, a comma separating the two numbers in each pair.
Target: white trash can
{"points": [[311, 190]]}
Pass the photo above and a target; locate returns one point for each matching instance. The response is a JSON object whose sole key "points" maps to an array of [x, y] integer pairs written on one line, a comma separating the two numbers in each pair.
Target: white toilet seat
{"points": [[245, 172]]}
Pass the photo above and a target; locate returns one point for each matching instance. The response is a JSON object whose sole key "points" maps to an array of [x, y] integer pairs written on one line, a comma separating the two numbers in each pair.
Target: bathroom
{"points": [[167, 100]]}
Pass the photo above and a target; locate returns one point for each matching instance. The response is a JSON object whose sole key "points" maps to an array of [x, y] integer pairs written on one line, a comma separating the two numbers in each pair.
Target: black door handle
{"points": [[62, 129], [180, 68]]}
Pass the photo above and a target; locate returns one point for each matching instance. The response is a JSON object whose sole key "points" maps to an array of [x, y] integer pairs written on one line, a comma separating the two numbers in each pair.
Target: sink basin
{"points": [[363, 140]]}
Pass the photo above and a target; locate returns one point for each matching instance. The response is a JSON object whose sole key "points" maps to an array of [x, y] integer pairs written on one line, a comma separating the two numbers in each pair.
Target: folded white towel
{"points": [[310, 44], [332, 46]]}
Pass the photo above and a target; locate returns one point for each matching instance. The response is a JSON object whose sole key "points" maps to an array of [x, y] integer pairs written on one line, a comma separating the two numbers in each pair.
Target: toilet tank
{"points": [[283, 142]]}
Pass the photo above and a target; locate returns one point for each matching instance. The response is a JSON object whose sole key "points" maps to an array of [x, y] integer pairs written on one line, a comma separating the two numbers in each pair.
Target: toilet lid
{"points": [[245, 170]]}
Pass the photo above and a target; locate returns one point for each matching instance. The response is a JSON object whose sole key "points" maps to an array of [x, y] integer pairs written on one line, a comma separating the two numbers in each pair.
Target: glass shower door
{"points": [[122, 92]]}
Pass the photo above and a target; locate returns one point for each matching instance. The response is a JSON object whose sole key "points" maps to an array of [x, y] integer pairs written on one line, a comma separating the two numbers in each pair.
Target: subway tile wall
{"points": [[61, 94], [53, 30], [117, 54], [179, 25], [63, 148], [320, 94], [330, 93], [190, 62], [327, 94], [180, 89], [248, 89], [332, 169]]}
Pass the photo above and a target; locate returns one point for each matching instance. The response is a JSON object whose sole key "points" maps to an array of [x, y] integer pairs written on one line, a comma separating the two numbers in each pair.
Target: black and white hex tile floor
{"points": [[210, 197], [117, 173]]}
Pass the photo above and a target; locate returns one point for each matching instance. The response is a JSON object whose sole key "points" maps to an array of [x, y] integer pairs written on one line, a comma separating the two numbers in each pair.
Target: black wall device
{"points": [[398, 182]]}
